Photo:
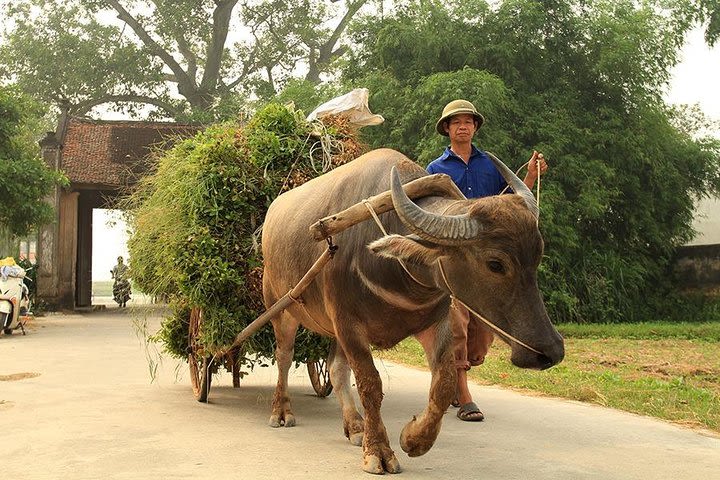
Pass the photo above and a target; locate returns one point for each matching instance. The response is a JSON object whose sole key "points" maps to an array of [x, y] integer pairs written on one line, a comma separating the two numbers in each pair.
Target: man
{"points": [[476, 176], [121, 285]]}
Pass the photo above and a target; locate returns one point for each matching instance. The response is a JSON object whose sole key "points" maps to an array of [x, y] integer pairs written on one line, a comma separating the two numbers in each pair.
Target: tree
{"points": [[186, 59], [704, 12], [25, 180], [581, 81]]}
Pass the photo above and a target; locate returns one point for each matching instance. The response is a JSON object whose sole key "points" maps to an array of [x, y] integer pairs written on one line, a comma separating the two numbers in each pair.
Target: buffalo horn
{"points": [[440, 229], [516, 184]]}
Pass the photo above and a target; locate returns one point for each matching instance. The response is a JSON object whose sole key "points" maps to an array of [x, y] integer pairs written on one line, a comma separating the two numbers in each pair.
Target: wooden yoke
{"points": [[436, 184]]}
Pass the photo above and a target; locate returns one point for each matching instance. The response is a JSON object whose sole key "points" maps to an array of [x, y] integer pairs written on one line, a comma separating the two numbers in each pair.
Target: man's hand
{"points": [[536, 158]]}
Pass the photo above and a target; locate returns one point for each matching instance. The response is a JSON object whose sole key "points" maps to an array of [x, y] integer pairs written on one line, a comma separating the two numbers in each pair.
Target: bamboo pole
{"points": [[285, 301], [436, 184]]}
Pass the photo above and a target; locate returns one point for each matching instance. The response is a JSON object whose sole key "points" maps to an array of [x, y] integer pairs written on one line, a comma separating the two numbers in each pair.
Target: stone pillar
{"points": [[47, 248]]}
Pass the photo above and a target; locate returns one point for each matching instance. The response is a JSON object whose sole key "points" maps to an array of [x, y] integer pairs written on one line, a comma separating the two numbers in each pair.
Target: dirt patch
{"points": [[13, 377]]}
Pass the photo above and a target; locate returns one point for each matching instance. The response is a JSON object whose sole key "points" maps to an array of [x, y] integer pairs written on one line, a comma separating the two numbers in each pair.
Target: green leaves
{"points": [[25, 180], [581, 82], [198, 60]]}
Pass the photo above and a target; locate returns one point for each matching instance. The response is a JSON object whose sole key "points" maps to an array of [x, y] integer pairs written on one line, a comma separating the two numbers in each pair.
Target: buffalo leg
{"points": [[340, 376], [285, 327], [418, 435], [378, 457]]}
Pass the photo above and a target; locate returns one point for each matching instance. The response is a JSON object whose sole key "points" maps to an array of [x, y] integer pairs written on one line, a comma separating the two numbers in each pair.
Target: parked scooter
{"points": [[14, 299]]}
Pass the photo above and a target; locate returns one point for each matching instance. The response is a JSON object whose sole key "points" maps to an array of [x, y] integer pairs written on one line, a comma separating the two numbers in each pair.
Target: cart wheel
{"points": [[320, 377], [200, 365]]}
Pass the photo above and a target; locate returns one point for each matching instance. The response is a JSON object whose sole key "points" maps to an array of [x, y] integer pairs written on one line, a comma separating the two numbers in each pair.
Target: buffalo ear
{"points": [[410, 249]]}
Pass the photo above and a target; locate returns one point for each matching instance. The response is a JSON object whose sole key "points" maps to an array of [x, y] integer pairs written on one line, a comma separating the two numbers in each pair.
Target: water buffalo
{"points": [[484, 252]]}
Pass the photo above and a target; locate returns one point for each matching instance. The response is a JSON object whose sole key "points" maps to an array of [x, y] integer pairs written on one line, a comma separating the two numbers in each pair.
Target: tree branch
{"points": [[327, 52], [352, 10], [216, 46], [125, 16], [85, 106], [248, 66], [184, 49], [188, 54]]}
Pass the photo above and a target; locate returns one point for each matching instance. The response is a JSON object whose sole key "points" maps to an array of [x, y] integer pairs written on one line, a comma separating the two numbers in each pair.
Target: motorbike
{"points": [[14, 299]]}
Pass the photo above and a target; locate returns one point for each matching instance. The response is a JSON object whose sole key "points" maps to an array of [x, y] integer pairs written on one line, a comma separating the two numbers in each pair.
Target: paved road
{"points": [[76, 402]]}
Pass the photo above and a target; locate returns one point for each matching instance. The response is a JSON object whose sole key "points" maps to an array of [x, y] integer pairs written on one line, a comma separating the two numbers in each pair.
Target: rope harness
{"points": [[382, 229], [444, 276], [298, 300]]}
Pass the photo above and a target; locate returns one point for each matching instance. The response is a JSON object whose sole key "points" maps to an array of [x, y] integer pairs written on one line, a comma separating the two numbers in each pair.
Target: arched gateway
{"points": [[101, 159]]}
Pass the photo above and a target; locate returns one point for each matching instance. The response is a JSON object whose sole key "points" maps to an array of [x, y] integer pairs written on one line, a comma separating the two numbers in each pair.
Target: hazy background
{"points": [[694, 82]]}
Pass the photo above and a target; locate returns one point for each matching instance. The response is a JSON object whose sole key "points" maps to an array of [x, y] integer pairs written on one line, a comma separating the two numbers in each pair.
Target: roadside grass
{"points": [[663, 370], [708, 331], [103, 288]]}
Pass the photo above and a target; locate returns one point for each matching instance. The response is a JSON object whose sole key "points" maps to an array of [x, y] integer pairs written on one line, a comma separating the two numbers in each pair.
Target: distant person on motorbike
{"points": [[121, 285]]}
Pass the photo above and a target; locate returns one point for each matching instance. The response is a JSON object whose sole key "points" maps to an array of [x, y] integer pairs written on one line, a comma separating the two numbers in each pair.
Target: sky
{"points": [[694, 81], [109, 242]]}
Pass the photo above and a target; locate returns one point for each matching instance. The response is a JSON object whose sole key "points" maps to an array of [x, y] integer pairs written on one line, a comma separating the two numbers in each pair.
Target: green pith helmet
{"points": [[456, 107]]}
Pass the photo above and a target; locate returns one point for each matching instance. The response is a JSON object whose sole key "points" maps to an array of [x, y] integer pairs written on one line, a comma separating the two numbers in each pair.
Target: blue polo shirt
{"points": [[477, 178]]}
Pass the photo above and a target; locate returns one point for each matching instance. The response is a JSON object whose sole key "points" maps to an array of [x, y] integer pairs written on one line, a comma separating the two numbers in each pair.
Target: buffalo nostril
{"points": [[545, 362]]}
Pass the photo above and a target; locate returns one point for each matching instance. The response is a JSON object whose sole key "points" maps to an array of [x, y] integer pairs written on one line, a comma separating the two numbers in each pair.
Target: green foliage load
{"points": [[196, 223], [582, 82]]}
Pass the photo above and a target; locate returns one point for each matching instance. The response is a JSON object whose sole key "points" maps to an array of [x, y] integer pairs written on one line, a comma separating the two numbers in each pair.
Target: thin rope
{"points": [[537, 198], [382, 229], [538, 158], [300, 303], [486, 321]]}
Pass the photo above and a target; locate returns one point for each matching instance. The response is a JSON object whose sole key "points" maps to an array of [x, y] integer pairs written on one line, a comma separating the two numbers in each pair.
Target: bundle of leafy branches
{"points": [[196, 224]]}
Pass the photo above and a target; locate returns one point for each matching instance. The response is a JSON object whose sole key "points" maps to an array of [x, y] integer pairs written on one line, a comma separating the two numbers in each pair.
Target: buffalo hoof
{"points": [[412, 442], [277, 421], [356, 439], [377, 466]]}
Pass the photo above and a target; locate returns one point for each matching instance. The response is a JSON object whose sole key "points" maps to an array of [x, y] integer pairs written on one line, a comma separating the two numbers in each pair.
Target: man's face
{"points": [[461, 127]]}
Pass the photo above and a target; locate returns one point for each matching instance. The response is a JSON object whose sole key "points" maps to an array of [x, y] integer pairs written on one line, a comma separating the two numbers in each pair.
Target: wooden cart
{"points": [[202, 365]]}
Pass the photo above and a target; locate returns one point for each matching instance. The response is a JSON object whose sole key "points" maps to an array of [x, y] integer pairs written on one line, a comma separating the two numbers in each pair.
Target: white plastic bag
{"points": [[352, 105]]}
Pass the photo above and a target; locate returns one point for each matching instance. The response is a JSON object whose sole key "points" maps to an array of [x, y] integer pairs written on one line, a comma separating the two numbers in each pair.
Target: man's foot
{"points": [[469, 412]]}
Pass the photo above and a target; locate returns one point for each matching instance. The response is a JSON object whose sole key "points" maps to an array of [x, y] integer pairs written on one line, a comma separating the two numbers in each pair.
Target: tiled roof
{"points": [[112, 153]]}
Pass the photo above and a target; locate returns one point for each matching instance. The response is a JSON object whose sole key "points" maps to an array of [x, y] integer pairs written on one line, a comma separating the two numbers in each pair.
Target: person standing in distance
{"points": [[476, 176]]}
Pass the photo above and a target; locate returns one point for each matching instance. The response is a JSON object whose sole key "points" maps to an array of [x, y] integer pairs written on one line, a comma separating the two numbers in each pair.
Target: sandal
{"points": [[469, 412]]}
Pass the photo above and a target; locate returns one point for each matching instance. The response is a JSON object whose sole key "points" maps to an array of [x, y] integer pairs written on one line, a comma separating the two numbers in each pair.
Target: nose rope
{"points": [[486, 321]]}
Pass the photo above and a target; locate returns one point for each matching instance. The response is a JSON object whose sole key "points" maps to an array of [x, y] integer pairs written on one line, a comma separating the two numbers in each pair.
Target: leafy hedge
{"points": [[583, 83], [196, 223]]}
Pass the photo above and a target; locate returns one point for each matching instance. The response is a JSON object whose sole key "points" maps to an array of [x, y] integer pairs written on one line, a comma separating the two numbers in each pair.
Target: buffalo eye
{"points": [[495, 266]]}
